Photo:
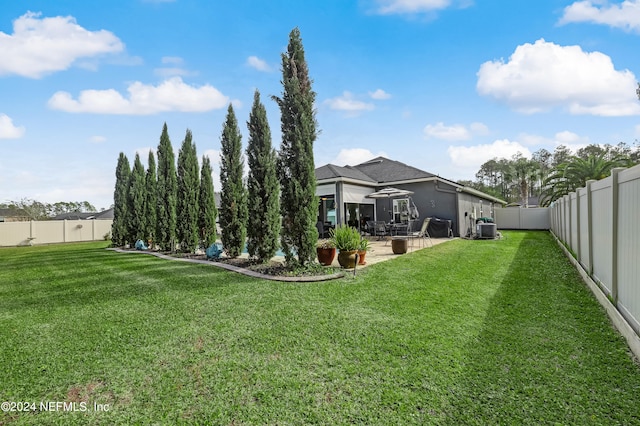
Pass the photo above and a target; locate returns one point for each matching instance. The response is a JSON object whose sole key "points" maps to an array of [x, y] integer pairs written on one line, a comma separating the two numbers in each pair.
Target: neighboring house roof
{"points": [[105, 214], [382, 171]]}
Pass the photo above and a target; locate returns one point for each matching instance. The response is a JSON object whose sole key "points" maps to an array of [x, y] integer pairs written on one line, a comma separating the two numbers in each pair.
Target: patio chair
{"points": [[424, 234], [380, 230]]}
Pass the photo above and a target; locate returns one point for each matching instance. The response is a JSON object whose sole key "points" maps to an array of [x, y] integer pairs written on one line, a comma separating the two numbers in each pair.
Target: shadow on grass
{"points": [[547, 352]]}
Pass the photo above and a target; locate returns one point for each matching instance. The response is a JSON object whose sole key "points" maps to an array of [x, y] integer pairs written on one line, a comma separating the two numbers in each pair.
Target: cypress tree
{"points": [[151, 202], [233, 209], [207, 212], [136, 199], [188, 188], [167, 192], [120, 208], [296, 168], [263, 223]]}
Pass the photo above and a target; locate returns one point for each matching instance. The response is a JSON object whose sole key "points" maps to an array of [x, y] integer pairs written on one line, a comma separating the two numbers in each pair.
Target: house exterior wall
{"points": [[433, 198], [430, 200]]}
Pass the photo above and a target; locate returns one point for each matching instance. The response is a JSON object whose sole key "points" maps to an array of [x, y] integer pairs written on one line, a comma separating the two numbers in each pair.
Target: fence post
{"points": [[569, 222], [614, 233], [590, 226], [578, 224]]}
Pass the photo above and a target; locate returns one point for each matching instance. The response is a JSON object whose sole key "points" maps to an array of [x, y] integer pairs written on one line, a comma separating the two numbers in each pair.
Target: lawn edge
{"points": [[233, 268]]}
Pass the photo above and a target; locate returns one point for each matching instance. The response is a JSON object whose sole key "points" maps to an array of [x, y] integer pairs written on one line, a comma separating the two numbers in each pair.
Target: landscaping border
{"points": [[233, 268]]}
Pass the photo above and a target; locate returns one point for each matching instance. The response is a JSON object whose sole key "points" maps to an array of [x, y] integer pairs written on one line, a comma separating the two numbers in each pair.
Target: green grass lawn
{"points": [[467, 332]]}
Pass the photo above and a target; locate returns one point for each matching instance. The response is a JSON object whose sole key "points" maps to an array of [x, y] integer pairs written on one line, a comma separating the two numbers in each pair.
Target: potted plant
{"points": [[362, 251], [326, 251], [347, 240]]}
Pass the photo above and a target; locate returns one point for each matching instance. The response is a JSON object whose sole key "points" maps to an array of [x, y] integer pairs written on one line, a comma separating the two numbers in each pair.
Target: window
{"points": [[401, 210]]}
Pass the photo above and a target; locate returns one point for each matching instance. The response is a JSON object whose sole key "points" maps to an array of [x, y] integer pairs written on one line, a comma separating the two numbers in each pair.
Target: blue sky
{"points": [[442, 85]]}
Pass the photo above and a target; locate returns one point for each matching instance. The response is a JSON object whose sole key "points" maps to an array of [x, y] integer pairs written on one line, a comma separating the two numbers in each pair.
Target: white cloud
{"points": [[42, 46], [347, 102], [571, 140], [8, 130], [173, 71], [355, 156], [472, 157], [388, 7], [456, 132], [173, 60], [543, 75], [625, 15], [379, 95], [97, 139], [257, 63], [171, 95]]}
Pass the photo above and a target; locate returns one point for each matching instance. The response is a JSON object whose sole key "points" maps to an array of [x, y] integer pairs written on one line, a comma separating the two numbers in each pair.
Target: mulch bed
{"points": [[268, 268]]}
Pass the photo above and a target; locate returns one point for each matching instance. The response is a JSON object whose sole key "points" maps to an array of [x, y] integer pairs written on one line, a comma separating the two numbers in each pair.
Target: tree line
{"points": [[276, 206], [547, 176], [36, 210]]}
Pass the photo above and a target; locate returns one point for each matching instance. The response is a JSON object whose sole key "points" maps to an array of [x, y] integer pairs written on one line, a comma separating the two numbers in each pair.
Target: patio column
{"points": [[339, 203]]}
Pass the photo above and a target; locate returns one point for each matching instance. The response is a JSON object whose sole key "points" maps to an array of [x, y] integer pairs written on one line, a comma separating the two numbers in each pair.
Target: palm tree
{"points": [[574, 174]]}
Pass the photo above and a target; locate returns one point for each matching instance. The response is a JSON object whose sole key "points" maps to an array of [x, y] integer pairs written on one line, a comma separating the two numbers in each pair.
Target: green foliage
{"points": [[151, 203], [345, 238], [518, 178], [575, 173], [136, 199], [233, 209], [263, 224], [296, 169], [119, 227], [207, 211], [167, 193], [188, 189], [36, 210]]}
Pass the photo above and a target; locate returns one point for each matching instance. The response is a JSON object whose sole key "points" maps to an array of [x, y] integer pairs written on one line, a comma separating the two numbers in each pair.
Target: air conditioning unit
{"points": [[486, 230]]}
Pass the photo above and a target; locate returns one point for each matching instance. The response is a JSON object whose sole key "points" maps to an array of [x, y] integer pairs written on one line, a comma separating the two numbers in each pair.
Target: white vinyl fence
{"points": [[600, 225], [52, 231], [519, 218]]}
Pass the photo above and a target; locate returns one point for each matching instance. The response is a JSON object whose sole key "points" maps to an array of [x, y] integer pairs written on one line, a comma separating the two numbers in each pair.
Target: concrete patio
{"points": [[380, 250]]}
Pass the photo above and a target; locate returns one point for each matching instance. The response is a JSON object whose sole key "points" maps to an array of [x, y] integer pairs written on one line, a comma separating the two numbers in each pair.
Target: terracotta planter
{"points": [[361, 256], [399, 245], [326, 255], [347, 259]]}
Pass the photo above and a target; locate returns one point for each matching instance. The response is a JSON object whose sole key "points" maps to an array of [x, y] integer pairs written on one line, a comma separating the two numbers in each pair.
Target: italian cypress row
{"points": [[233, 210], [296, 168], [136, 198], [167, 192], [207, 212], [263, 224], [120, 208], [151, 202], [188, 188]]}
